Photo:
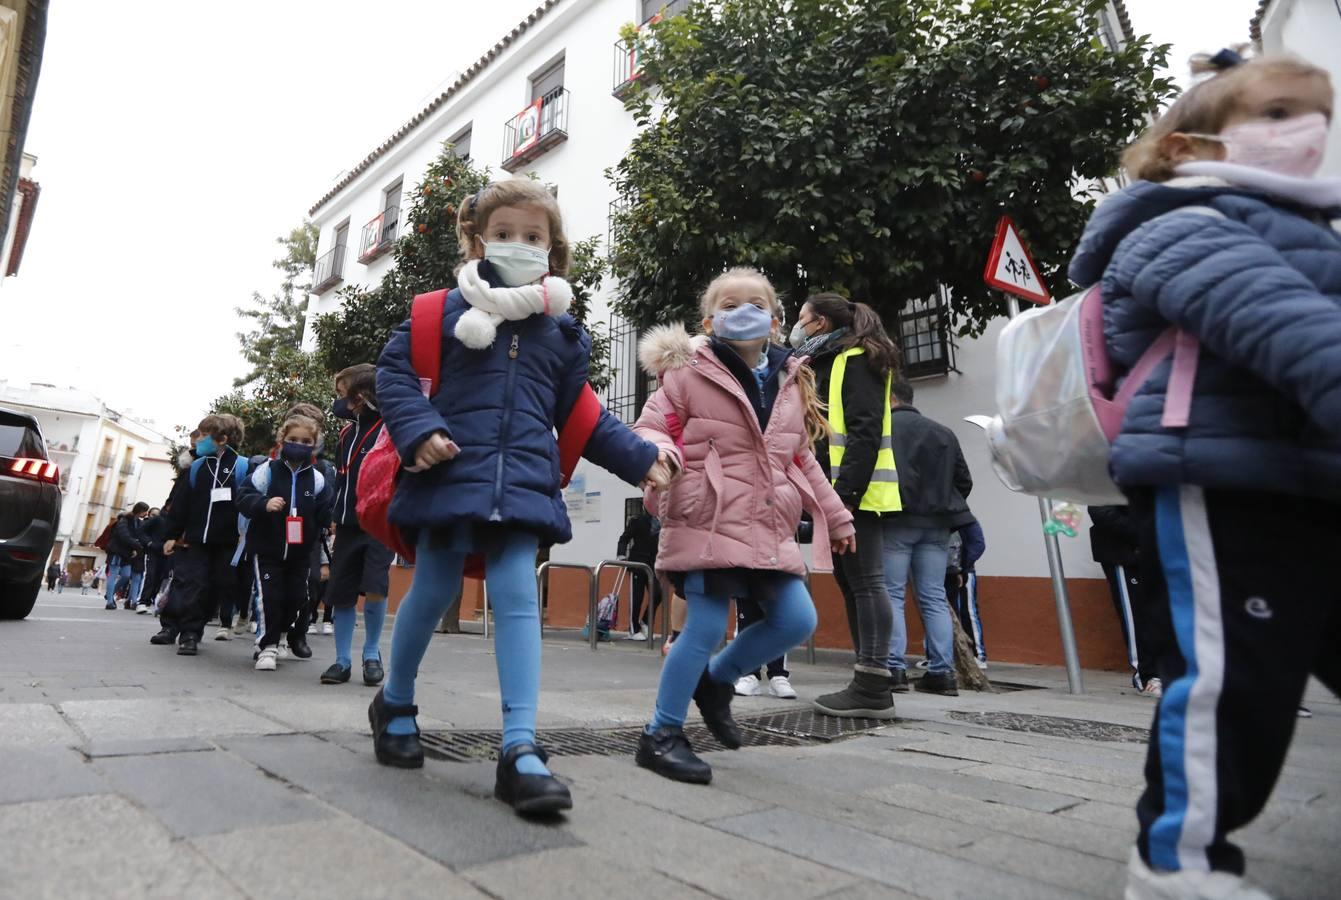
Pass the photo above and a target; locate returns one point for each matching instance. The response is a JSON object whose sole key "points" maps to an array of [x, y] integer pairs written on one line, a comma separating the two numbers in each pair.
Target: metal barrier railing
{"points": [[651, 600], [542, 583]]}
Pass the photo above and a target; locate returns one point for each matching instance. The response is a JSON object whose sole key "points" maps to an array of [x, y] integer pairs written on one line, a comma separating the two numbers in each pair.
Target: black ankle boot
{"points": [[868, 696], [714, 702], [402, 751], [529, 795], [667, 752], [186, 646], [165, 637]]}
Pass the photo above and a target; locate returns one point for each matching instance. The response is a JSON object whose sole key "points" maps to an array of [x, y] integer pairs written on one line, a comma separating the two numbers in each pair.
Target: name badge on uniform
{"points": [[221, 495], [293, 529]]}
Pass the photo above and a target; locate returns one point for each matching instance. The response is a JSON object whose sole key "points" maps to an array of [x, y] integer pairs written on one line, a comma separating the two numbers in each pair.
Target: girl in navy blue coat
{"points": [[1230, 453], [288, 501], [482, 466]]}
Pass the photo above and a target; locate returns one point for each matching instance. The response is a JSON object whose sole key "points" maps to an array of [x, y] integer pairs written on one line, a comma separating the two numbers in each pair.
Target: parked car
{"points": [[30, 507]]}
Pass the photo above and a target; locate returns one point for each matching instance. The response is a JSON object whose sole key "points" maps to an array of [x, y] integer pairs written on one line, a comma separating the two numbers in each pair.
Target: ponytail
{"points": [[865, 330]]}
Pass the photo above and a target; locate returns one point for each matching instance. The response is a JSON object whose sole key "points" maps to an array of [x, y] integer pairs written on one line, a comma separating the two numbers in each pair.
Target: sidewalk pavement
{"points": [[126, 771]]}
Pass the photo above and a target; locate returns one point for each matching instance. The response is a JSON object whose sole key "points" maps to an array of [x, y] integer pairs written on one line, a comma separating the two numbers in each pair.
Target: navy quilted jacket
{"points": [[501, 406], [1261, 289]]}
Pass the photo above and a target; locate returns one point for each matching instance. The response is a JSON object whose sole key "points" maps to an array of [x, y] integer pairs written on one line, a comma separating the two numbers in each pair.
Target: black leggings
{"points": [[861, 576]]}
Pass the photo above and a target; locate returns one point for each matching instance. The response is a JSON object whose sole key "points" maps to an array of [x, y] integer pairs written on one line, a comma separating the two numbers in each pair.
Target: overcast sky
{"points": [[176, 140]]}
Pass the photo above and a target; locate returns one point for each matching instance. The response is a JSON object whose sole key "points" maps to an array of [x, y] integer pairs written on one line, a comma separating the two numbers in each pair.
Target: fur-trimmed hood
{"points": [[668, 347]]}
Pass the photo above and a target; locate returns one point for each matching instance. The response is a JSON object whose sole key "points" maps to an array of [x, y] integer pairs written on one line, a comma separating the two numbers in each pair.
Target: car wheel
{"points": [[17, 598]]}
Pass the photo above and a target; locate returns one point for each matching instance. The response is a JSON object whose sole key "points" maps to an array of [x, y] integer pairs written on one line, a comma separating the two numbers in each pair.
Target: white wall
{"points": [[1311, 29]]}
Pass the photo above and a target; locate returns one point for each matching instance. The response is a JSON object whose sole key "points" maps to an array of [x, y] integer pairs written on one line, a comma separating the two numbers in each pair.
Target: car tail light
{"points": [[43, 470]]}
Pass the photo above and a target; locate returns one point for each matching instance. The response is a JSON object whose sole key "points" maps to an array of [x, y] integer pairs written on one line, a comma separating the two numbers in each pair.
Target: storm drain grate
{"points": [[794, 728], [1056, 726]]}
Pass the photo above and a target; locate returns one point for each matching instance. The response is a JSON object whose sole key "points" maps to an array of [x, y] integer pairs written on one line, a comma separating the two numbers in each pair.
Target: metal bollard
{"points": [[542, 584], [651, 580]]}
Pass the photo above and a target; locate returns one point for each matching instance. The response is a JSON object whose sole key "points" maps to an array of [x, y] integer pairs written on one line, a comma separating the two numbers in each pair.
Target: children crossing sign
{"points": [[1010, 267]]}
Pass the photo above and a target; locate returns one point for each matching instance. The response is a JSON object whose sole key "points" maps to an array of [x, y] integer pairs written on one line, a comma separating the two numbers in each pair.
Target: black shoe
{"points": [[299, 648], [667, 752], [165, 636], [372, 671], [336, 674], [186, 647], [529, 795], [868, 696], [714, 702], [898, 681], [402, 751], [938, 683]]}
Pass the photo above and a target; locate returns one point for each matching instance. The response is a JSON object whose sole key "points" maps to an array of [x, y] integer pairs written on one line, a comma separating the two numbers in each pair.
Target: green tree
{"points": [[276, 322], [290, 377], [426, 259], [868, 146]]}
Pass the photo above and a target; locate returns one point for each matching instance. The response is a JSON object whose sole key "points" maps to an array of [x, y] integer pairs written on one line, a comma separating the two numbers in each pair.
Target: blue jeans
{"points": [[116, 570], [923, 552]]}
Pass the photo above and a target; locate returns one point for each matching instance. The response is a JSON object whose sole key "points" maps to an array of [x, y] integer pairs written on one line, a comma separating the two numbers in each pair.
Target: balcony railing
{"points": [[88, 536], [628, 67], [329, 270], [106, 461], [128, 468], [379, 235], [613, 231], [534, 130]]}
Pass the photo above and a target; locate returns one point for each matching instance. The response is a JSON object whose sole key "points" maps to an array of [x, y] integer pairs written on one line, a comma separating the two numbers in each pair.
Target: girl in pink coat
{"points": [[738, 418]]}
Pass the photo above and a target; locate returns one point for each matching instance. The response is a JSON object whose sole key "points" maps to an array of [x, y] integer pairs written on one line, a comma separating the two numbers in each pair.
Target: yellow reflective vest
{"points": [[882, 495]]}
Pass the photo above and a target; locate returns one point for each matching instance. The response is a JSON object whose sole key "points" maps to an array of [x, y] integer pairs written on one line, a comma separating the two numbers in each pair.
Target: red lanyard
{"points": [[349, 460]]}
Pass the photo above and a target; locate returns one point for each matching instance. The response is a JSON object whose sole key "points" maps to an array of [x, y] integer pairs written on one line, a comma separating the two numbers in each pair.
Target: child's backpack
{"points": [[381, 467], [1057, 412], [239, 469], [106, 537], [607, 611]]}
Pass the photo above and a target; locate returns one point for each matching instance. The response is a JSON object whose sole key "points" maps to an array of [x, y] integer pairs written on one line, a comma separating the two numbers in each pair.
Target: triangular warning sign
{"points": [[1011, 268]]}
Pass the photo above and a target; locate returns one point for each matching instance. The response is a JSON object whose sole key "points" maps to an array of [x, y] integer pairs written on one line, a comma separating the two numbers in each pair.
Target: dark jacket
{"points": [[501, 406], [193, 515], [306, 493], [640, 539], [864, 416], [967, 545], [1113, 538], [126, 541], [1260, 289], [763, 396], [934, 479], [356, 439]]}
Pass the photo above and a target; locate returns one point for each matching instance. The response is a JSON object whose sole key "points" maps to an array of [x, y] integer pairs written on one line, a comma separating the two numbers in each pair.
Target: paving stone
{"points": [[30, 774], [1072, 870], [868, 890], [165, 717], [341, 710], [578, 873], [1073, 787], [35, 724], [620, 775], [147, 748], [1129, 776], [446, 810], [340, 857], [916, 870], [207, 793], [77, 847]]}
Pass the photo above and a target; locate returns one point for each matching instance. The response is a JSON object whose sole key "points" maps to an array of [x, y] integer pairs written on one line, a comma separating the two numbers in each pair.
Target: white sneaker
{"points": [[1145, 883], [141, 609], [638, 635], [1153, 688], [281, 652], [781, 688], [327, 628], [312, 629], [239, 627], [982, 664], [748, 686], [267, 660], [922, 664], [223, 634], [251, 626]]}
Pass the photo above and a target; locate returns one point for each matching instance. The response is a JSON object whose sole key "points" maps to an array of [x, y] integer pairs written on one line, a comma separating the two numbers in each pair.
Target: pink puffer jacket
{"points": [[741, 491]]}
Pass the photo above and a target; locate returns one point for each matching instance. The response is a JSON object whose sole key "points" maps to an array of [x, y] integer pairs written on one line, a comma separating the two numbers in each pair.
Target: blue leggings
{"points": [[789, 618], [510, 579]]}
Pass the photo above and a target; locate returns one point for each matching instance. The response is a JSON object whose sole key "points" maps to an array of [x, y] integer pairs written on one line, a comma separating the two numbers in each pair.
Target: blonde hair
{"points": [[474, 215], [1204, 107], [816, 413], [298, 421]]}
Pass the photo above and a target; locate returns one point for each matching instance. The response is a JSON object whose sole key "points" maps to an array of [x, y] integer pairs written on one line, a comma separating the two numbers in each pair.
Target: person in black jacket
{"points": [[288, 503], [639, 543], [204, 514], [1115, 543], [934, 484], [360, 565], [123, 550], [151, 532]]}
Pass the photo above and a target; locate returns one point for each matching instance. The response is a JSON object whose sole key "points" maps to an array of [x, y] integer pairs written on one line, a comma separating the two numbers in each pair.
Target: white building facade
{"points": [[108, 462], [564, 58]]}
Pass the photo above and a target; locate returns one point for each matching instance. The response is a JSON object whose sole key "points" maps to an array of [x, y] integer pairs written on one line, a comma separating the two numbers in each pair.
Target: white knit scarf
{"points": [[490, 306]]}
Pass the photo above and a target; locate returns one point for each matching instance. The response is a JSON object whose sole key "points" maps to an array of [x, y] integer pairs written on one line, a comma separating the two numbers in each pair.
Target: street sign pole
{"points": [[1059, 593]]}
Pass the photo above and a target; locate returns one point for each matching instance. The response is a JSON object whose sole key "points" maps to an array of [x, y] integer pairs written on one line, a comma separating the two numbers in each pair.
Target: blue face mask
{"points": [[340, 409], [207, 446], [744, 323], [297, 453]]}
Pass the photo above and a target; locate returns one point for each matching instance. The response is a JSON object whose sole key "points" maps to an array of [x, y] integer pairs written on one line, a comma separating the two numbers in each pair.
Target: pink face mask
{"points": [[1286, 147]]}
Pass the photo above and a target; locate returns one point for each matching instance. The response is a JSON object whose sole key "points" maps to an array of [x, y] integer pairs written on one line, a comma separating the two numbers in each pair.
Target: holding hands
{"points": [[839, 546], [662, 473], [437, 448]]}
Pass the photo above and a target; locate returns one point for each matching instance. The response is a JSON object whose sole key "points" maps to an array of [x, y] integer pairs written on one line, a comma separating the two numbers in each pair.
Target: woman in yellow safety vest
{"points": [[854, 362]]}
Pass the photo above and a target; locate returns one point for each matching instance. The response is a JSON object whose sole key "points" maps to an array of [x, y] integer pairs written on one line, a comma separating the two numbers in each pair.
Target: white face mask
{"points": [[516, 263], [798, 337], [1286, 146]]}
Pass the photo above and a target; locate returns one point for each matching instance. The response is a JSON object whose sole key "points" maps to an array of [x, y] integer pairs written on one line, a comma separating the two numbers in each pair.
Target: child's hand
{"points": [[168, 546], [437, 448], [661, 474], [275, 504], [839, 546], [325, 573]]}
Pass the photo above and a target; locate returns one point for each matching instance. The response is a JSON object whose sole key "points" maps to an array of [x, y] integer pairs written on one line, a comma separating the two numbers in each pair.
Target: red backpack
{"points": [[381, 467]]}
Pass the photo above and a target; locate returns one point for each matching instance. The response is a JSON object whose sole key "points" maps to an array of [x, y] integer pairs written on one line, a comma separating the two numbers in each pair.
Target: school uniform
{"points": [[967, 545], [360, 564], [280, 543]]}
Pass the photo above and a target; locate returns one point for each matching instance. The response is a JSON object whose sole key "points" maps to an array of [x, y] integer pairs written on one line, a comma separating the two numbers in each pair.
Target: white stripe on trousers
{"points": [[260, 589], [1200, 737]]}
